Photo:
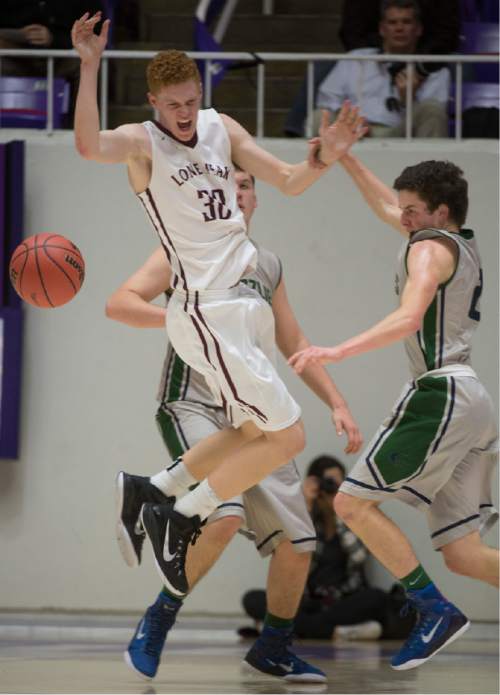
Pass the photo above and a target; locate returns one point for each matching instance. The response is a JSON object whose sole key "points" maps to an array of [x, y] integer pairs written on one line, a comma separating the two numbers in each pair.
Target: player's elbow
{"points": [[111, 308], [413, 323], [85, 150]]}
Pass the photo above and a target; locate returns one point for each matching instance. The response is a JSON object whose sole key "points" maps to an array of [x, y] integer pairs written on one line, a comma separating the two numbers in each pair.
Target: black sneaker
{"points": [[170, 534], [131, 492]]}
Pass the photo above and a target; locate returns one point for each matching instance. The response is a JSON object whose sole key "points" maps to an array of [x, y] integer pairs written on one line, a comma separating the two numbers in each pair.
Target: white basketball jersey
{"points": [[191, 202]]}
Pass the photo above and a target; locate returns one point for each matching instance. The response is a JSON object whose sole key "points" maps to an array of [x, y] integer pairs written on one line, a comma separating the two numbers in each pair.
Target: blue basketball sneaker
{"points": [[144, 651], [439, 623], [271, 655]]}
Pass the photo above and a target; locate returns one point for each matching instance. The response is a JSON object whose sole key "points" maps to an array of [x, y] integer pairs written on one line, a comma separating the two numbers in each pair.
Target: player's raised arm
{"points": [[290, 339], [382, 199], [131, 302], [110, 146], [293, 179]]}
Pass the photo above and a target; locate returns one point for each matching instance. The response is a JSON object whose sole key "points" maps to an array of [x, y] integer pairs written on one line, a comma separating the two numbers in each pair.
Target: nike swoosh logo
{"points": [[416, 580], [285, 667], [140, 633], [167, 555], [427, 638]]}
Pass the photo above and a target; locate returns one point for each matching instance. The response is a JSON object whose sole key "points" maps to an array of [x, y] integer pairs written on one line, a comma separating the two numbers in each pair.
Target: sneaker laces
{"points": [[157, 629], [182, 543]]}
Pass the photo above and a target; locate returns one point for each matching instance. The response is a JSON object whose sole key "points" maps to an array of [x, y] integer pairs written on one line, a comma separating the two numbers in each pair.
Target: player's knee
{"points": [[347, 507], [296, 441], [457, 562], [227, 527]]}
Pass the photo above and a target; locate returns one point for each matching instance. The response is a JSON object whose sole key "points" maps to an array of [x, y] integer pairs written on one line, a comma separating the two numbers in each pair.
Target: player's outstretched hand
{"points": [[89, 45], [344, 422], [313, 355], [337, 138]]}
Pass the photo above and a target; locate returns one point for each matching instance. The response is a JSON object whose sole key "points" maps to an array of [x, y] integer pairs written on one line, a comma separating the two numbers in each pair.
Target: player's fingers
{"points": [[105, 30]]}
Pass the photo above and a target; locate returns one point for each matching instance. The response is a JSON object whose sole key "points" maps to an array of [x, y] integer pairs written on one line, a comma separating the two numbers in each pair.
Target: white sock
{"points": [[175, 480], [201, 501]]}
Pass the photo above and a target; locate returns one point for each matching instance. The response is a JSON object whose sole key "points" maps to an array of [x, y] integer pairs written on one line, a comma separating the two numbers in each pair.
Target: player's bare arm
{"points": [[430, 264], [131, 302], [293, 179], [126, 144], [291, 339], [382, 199]]}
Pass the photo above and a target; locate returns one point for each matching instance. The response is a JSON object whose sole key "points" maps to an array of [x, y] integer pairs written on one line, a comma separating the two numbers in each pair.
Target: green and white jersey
{"points": [[181, 383], [450, 321]]}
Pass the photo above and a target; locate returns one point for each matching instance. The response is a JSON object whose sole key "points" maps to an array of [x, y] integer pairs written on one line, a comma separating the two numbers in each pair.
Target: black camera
{"points": [[328, 485]]}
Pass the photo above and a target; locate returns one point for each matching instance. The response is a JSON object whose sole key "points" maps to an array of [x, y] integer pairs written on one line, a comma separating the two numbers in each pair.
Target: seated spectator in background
{"points": [[338, 602], [379, 89], [360, 24], [37, 25], [440, 21]]}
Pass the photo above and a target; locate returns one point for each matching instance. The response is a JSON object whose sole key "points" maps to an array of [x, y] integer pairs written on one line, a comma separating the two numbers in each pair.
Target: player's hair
{"points": [[437, 182], [170, 67], [322, 463], [238, 168], [400, 5]]}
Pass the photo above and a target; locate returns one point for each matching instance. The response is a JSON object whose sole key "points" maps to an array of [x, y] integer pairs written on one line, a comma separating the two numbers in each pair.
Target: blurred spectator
{"points": [[338, 602], [39, 24], [360, 29], [440, 21], [380, 88]]}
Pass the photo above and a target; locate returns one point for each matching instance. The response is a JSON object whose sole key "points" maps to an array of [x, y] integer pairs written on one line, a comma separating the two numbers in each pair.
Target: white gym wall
{"points": [[89, 384]]}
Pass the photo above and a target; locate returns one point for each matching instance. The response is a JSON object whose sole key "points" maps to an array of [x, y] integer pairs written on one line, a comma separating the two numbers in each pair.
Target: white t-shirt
{"points": [[367, 84]]}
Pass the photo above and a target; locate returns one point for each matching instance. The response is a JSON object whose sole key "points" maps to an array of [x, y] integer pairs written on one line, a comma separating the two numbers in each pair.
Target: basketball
{"points": [[47, 270]]}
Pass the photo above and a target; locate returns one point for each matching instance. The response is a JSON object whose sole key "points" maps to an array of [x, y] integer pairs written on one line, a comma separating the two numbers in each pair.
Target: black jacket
{"points": [[56, 15]]}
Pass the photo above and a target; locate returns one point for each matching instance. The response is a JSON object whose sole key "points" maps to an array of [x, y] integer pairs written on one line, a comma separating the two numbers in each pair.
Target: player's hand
{"points": [[344, 422], [89, 45], [37, 35], [402, 84], [314, 355], [337, 138]]}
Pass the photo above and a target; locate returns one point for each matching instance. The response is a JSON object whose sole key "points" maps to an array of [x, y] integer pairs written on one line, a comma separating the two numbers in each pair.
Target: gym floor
{"points": [[69, 653]]}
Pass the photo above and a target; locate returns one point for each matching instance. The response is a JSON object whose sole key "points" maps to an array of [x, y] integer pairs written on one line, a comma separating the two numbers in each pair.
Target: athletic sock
{"points": [[201, 501], [174, 480], [170, 598], [275, 628], [277, 623], [417, 579]]}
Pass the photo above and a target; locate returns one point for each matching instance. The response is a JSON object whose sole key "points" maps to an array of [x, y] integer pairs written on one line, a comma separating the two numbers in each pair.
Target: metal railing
{"points": [[263, 58]]}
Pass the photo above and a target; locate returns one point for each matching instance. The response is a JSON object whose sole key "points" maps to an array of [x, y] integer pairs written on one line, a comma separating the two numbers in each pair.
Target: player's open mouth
{"points": [[184, 126]]}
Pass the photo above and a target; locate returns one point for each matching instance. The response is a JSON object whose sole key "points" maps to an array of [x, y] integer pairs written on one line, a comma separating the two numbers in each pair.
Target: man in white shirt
{"points": [[379, 89]]}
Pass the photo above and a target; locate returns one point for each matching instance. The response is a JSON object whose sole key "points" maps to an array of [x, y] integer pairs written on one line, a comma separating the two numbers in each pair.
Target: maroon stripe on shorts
{"points": [[202, 338], [225, 370]]}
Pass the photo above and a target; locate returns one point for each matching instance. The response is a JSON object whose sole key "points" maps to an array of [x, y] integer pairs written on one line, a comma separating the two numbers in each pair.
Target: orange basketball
{"points": [[46, 270]]}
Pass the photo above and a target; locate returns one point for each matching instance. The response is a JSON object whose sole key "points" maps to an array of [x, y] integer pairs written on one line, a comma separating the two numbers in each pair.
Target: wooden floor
{"points": [[199, 657]]}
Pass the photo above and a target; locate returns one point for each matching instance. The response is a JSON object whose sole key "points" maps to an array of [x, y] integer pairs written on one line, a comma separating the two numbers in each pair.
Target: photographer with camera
{"points": [[338, 602], [379, 89]]}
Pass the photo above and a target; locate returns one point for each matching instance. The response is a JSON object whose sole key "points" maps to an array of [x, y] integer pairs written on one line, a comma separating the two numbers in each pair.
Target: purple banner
{"points": [[11, 326]]}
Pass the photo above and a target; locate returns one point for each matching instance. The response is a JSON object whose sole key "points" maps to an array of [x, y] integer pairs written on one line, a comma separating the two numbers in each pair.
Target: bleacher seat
{"points": [[481, 37], [23, 102]]}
